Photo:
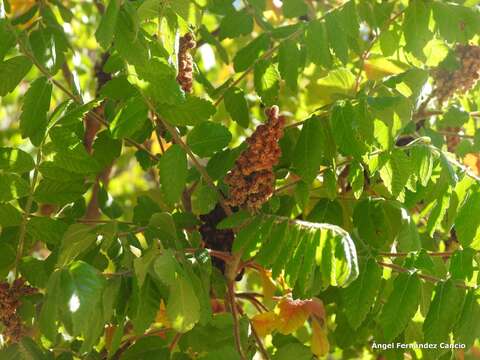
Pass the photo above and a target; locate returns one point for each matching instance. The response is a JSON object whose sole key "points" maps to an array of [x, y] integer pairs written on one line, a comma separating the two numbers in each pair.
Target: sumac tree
{"points": [[248, 179]]}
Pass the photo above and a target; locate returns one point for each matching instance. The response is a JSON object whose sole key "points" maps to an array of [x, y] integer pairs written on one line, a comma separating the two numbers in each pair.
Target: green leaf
{"points": [[235, 220], [26, 349], [267, 81], [46, 229], [294, 8], [247, 56], [293, 350], [415, 27], [118, 88], [12, 71], [293, 266], [467, 226], [208, 137], [76, 240], [455, 23], [36, 103], [461, 264], [8, 38], [467, 329], [147, 302], [235, 24], [246, 234], [346, 130], [336, 257], [272, 246], [51, 306], [130, 119], [148, 348], [157, 71], [326, 211], [339, 83], [317, 44], [173, 172], [106, 149], [191, 112], [165, 229], [13, 187], [15, 160], [82, 288], [129, 41], [373, 223], [400, 306], [289, 62], [108, 22], [237, 106], [204, 199], [422, 159], [311, 148], [49, 45], [76, 160], [165, 267], [9, 216], [396, 172], [183, 307], [359, 296], [443, 313], [7, 258]]}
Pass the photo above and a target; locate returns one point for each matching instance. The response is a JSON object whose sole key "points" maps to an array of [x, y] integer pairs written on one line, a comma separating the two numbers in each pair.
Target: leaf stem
{"points": [[236, 323], [26, 214], [429, 278]]}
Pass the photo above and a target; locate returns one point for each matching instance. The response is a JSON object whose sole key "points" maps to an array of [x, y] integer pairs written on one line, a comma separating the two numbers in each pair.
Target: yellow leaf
{"points": [[291, 315], [473, 162], [268, 285], [162, 315], [319, 342], [265, 323], [378, 68]]}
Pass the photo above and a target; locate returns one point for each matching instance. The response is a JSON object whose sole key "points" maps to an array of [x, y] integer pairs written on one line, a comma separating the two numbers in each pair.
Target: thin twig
{"points": [[365, 54], [404, 254], [174, 342], [76, 98], [429, 278], [26, 214], [258, 340], [236, 322], [264, 56], [201, 169]]}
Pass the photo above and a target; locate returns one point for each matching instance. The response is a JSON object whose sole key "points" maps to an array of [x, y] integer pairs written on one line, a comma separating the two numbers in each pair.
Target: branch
{"points": [[429, 278], [74, 97], [203, 172], [405, 254]]}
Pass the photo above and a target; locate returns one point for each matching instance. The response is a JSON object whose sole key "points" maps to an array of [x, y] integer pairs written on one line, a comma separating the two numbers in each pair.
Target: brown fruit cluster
{"points": [[252, 180], [9, 303], [446, 83], [217, 239], [185, 62], [452, 139]]}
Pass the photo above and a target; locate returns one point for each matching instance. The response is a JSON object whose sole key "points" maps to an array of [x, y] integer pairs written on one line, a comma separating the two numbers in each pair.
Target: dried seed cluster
{"points": [[446, 83], [251, 181], [9, 303], [185, 62], [214, 238]]}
